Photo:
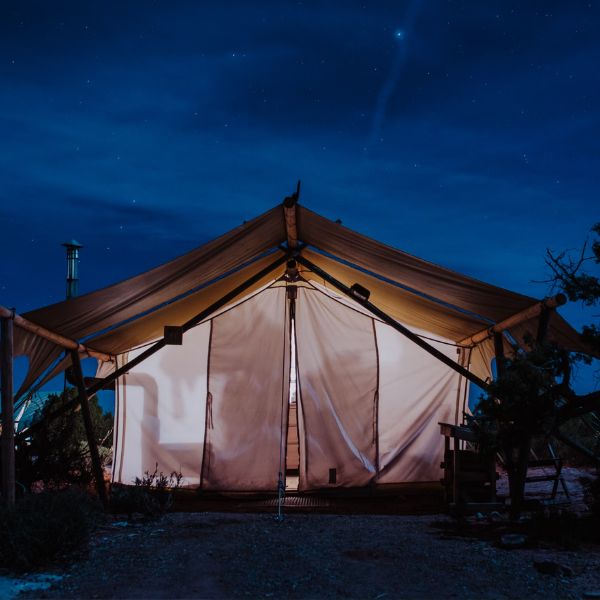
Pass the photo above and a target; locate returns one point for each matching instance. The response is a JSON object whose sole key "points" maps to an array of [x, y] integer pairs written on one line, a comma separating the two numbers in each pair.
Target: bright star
{"points": [[399, 35]]}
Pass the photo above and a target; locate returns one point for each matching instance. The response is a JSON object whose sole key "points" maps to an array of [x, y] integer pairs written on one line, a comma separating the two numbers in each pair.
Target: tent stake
{"points": [[89, 429], [8, 420], [393, 323]]}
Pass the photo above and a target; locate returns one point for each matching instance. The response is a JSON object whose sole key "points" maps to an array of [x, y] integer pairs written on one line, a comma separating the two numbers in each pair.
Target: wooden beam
{"points": [[289, 213], [393, 323], [101, 383], [499, 350], [543, 323], [520, 317], [83, 398], [8, 419], [51, 336]]}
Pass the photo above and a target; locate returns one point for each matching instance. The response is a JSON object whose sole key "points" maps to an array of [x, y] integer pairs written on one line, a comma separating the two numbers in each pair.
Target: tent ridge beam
{"points": [[524, 315], [394, 324], [51, 336]]}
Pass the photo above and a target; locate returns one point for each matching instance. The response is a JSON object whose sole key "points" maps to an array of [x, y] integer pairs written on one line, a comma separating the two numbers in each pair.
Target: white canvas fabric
{"points": [[161, 410], [337, 374], [369, 400], [369, 397], [248, 395], [416, 391]]}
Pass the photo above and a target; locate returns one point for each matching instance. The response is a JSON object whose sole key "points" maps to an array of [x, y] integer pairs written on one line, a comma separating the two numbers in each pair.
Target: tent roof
{"points": [[416, 292]]}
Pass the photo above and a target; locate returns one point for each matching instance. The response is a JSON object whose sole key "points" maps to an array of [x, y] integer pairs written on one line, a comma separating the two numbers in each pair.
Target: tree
{"points": [[56, 452], [533, 394]]}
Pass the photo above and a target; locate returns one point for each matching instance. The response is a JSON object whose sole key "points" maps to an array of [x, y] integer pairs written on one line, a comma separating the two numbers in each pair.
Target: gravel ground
{"points": [[224, 555]]}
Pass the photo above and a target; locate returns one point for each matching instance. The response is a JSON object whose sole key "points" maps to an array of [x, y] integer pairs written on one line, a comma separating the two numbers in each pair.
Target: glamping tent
{"points": [[376, 345]]}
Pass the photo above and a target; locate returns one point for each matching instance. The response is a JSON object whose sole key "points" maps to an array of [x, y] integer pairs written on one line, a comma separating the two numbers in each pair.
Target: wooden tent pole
{"points": [[393, 323], [51, 336], [499, 351], [100, 383], [543, 322], [524, 315], [8, 419], [83, 398], [289, 214]]}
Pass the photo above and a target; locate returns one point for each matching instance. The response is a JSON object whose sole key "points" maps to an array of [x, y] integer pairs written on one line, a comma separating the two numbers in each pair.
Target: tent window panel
{"points": [[249, 390], [416, 391], [337, 372], [161, 411]]}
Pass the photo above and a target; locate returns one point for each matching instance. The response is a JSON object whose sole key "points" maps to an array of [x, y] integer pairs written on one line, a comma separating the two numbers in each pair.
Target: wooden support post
{"points": [[8, 420], [543, 322], [393, 323], [499, 350], [97, 469]]}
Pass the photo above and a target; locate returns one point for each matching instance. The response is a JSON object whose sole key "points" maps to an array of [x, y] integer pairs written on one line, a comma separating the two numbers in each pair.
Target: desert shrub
{"points": [[151, 495], [560, 527], [592, 495], [43, 527]]}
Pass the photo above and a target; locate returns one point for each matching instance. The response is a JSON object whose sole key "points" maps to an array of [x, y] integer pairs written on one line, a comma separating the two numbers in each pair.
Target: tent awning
{"points": [[416, 292]]}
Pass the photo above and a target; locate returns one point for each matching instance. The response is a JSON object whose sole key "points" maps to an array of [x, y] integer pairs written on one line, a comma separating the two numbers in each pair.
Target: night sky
{"points": [[463, 132]]}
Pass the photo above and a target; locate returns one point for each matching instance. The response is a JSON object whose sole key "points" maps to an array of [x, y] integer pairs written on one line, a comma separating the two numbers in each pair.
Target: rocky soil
{"points": [[235, 555]]}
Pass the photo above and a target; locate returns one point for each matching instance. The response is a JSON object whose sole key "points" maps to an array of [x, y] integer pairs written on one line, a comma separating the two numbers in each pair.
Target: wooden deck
{"points": [[397, 499]]}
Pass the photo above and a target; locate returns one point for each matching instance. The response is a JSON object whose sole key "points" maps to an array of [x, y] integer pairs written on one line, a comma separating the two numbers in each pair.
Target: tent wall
{"points": [[370, 400], [337, 374], [160, 411], [216, 408], [416, 391], [248, 395]]}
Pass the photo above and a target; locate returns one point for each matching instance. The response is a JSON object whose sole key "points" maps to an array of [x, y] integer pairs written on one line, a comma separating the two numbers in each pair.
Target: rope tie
{"points": [[209, 424]]}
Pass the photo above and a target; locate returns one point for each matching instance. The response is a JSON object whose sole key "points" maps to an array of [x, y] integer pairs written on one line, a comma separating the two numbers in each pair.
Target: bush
{"points": [[43, 527], [152, 495]]}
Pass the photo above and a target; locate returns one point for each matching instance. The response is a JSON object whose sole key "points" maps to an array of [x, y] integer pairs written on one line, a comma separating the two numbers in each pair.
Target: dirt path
{"points": [[217, 555]]}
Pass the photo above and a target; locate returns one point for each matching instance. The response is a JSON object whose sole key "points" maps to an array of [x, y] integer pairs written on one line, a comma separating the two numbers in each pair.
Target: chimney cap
{"points": [[72, 244]]}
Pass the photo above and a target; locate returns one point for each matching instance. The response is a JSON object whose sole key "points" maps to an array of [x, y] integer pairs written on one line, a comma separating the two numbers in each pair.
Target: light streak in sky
{"points": [[402, 38]]}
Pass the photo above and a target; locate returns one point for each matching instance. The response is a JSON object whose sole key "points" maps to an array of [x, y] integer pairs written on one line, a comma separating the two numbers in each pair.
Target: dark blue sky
{"points": [[464, 132]]}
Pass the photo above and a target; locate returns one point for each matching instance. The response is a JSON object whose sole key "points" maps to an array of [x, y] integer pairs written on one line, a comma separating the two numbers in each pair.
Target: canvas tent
{"points": [[377, 366]]}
